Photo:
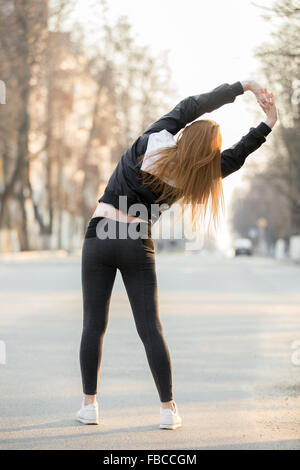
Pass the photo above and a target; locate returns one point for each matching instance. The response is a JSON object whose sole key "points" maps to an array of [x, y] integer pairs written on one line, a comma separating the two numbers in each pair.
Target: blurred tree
{"points": [[77, 95], [24, 51], [274, 191], [22, 26], [46, 89], [280, 64]]}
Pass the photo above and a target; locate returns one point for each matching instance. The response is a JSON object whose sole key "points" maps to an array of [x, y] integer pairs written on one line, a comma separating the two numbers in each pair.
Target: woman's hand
{"points": [[256, 88], [269, 107]]}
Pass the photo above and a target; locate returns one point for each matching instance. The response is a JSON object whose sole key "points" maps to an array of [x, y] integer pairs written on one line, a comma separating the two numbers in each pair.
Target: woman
{"points": [[155, 170]]}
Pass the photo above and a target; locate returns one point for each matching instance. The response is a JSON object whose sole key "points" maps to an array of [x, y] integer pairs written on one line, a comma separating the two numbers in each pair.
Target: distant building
{"points": [[68, 161]]}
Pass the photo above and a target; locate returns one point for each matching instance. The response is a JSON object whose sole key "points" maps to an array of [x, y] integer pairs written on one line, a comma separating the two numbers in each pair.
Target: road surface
{"points": [[229, 323]]}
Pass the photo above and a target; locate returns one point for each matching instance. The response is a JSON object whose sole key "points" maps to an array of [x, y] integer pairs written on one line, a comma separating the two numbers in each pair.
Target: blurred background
{"points": [[81, 79]]}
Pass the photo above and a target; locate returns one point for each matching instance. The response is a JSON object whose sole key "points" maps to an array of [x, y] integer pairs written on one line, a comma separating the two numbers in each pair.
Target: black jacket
{"points": [[126, 180]]}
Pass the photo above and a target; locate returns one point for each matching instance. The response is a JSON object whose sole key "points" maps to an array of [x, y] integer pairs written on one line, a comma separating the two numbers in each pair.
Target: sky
{"points": [[210, 43]]}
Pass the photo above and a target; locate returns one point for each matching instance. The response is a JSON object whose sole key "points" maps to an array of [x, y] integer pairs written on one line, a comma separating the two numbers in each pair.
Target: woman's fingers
{"points": [[262, 102], [266, 98], [265, 105], [271, 99], [263, 97]]}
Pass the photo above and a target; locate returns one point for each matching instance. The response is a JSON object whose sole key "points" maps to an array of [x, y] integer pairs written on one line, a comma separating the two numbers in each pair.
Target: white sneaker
{"points": [[88, 414], [170, 419]]}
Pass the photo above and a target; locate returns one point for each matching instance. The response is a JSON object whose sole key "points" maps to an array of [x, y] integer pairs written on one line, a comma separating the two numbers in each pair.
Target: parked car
{"points": [[243, 246]]}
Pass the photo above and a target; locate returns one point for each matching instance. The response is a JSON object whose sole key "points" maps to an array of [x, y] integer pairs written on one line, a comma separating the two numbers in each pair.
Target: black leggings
{"points": [[135, 258]]}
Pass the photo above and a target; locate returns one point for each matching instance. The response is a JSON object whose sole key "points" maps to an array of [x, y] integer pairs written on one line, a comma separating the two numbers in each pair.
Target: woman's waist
{"points": [[104, 209], [107, 228]]}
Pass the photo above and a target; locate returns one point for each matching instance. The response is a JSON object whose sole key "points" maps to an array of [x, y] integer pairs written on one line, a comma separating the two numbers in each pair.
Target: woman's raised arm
{"points": [[233, 158], [194, 106]]}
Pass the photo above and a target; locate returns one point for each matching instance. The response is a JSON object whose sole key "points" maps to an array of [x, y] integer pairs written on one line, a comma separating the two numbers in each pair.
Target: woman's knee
{"points": [[150, 333], [94, 328]]}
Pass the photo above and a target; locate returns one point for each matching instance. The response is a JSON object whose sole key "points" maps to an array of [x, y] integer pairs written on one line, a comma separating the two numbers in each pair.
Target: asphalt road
{"points": [[229, 323]]}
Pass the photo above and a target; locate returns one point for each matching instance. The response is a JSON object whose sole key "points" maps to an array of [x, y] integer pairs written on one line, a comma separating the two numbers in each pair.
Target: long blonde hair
{"points": [[194, 167]]}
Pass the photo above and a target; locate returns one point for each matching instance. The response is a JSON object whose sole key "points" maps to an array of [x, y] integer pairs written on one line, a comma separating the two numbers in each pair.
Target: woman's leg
{"points": [[141, 285], [97, 283]]}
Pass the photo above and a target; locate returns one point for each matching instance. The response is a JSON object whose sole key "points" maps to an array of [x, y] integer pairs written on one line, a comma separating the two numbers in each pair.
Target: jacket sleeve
{"points": [[234, 157], [194, 106]]}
